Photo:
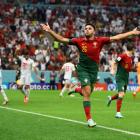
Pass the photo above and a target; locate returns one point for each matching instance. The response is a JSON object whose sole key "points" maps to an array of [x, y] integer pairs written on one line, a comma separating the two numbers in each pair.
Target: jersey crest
{"points": [[94, 44]]}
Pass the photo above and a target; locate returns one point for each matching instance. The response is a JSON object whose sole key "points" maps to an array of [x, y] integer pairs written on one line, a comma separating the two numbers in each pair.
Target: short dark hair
{"points": [[68, 59], [90, 25], [130, 47], [119, 50]]}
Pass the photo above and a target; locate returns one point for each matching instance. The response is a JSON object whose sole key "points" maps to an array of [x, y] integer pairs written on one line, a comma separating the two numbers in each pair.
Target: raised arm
{"points": [[125, 35], [60, 38]]}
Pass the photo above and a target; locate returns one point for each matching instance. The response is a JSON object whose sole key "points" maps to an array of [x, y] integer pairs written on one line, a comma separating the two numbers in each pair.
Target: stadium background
{"points": [[20, 28], [47, 116]]}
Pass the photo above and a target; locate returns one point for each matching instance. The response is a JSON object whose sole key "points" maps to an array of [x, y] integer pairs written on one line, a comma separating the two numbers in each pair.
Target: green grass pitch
{"points": [[49, 117]]}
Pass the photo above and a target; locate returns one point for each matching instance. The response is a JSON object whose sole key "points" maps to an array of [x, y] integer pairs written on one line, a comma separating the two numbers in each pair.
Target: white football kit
{"points": [[68, 69], [26, 68]]}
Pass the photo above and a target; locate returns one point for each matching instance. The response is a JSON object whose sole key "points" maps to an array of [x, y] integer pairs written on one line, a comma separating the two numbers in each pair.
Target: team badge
{"points": [[86, 80], [95, 44]]}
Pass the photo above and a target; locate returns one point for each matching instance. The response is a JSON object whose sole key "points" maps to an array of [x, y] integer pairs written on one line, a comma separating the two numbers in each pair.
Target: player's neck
{"points": [[89, 37], [129, 53]]}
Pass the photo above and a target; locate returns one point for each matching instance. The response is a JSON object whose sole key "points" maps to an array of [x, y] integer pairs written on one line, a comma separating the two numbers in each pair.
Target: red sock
{"points": [[114, 97], [79, 90], [86, 105], [119, 104]]}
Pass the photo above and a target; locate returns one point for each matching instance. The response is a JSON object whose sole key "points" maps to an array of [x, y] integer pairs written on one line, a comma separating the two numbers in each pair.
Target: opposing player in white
{"points": [[75, 87], [68, 68], [27, 65], [2, 92]]}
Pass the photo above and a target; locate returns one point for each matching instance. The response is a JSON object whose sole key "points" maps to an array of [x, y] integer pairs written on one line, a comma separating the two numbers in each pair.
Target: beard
{"points": [[88, 36]]}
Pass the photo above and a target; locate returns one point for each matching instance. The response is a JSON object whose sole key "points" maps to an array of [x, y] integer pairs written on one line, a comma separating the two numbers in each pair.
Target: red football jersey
{"points": [[91, 48], [125, 61]]}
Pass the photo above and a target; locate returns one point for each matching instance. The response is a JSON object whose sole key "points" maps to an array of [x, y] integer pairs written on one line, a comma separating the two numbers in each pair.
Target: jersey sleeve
{"points": [[33, 63], [104, 40], [74, 41], [119, 58]]}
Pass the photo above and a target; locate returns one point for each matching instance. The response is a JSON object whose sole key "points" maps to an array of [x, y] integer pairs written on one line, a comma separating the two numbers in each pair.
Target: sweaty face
{"points": [[89, 31]]}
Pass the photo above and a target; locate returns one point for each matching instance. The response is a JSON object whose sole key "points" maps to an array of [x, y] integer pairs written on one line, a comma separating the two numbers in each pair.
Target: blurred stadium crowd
{"points": [[20, 29]]}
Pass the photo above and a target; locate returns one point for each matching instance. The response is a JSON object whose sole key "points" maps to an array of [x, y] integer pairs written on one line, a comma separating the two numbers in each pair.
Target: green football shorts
{"points": [[121, 86], [86, 76]]}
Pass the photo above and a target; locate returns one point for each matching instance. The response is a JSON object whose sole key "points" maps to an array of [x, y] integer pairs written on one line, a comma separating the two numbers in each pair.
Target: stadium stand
{"points": [[20, 28]]}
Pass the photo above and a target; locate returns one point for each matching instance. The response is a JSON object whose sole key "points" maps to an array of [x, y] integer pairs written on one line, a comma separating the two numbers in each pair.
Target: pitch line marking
{"points": [[69, 120], [97, 99]]}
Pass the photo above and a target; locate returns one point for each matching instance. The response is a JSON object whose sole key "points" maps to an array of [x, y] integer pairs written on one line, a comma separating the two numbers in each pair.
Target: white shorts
{"points": [[67, 81], [25, 79]]}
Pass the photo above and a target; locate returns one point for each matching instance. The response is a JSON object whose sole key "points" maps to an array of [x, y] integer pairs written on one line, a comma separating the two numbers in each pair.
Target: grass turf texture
{"points": [[15, 125]]}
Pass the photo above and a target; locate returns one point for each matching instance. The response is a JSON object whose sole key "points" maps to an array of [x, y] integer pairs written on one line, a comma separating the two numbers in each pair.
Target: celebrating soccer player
{"points": [[89, 47], [123, 64], [68, 69], [27, 64]]}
